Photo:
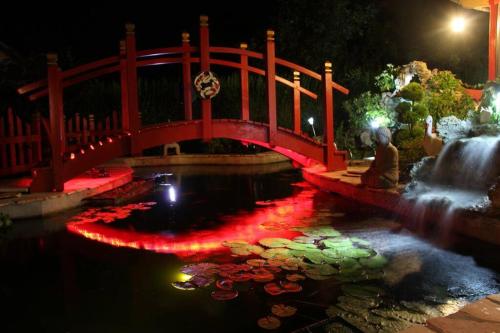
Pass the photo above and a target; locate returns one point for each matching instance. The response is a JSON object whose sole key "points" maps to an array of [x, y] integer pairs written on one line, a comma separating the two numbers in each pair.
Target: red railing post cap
{"points": [[185, 37], [270, 34], [243, 46], [203, 20], [129, 28], [52, 59], [328, 66]]}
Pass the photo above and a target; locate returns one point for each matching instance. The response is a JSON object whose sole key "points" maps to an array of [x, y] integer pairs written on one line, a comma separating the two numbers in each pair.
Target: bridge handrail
{"points": [[69, 73], [164, 51]]}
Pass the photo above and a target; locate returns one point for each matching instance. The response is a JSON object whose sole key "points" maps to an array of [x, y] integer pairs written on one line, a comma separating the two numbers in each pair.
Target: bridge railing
{"points": [[20, 143], [129, 59]]}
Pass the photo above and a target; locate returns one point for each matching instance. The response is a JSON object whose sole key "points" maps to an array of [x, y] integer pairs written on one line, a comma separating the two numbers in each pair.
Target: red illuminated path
{"points": [[76, 189]]}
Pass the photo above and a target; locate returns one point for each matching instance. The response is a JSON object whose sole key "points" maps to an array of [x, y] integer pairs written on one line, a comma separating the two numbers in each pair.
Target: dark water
{"points": [[92, 279]]}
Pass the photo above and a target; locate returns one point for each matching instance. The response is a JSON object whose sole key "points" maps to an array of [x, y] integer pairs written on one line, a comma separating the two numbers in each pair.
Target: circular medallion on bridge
{"points": [[207, 84]]}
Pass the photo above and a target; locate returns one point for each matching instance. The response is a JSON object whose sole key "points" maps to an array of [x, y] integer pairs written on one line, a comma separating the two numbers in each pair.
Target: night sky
{"points": [[418, 28]]}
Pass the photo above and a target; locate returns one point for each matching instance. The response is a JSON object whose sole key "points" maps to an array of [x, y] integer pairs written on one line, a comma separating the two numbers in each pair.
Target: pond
{"points": [[224, 250]]}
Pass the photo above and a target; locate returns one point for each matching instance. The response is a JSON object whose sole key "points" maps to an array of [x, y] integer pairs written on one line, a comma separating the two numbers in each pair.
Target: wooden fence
{"points": [[22, 143]]}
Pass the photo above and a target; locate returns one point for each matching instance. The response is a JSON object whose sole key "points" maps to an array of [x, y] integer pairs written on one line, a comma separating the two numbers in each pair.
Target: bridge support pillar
{"points": [[271, 87], [186, 77], [57, 137], [328, 132], [131, 90], [297, 128], [206, 104]]}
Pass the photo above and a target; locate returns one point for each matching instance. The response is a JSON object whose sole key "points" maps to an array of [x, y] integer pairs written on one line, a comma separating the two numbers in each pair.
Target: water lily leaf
{"points": [[183, 285], [411, 316], [318, 277], [235, 243], [269, 323], [423, 308], [201, 280], [323, 269], [334, 243], [333, 311], [332, 253], [337, 328], [200, 269], [224, 295], [306, 239], [366, 302], [256, 262], [375, 262], [362, 291], [276, 262], [240, 276], [360, 241], [318, 231], [282, 310], [224, 284], [262, 275], [290, 287], [276, 253], [274, 242], [295, 277], [300, 246], [273, 289], [246, 250]]}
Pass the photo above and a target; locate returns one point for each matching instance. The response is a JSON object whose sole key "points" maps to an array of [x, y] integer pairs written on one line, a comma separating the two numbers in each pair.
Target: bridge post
{"points": [[206, 104], [245, 100], [328, 132], [297, 128], [186, 77], [271, 87], [57, 138], [132, 94], [124, 87]]}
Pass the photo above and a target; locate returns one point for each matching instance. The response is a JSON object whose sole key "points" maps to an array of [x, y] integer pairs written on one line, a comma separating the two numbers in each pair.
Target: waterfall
{"points": [[459, 178]]}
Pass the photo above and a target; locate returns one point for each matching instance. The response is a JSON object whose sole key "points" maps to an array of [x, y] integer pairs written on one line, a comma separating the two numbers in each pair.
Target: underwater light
{"points": [[182, 277], [172, 196]]}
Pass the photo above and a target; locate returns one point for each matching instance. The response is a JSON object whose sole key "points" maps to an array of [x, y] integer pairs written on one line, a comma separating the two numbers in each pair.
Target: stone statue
{"points": [[384, 170]]}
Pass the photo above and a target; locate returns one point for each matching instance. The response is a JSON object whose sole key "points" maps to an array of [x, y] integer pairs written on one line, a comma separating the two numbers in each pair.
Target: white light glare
{"points": [[497, 102], [171, 194], [457, 24], [311, 121]]}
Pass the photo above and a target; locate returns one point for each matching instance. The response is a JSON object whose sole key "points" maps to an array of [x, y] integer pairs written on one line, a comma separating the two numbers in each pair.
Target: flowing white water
{"points": [[460, 177]]}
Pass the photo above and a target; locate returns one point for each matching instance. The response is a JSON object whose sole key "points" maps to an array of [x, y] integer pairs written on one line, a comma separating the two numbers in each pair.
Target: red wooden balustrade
{"points": [[20, 143], [69, 135]]}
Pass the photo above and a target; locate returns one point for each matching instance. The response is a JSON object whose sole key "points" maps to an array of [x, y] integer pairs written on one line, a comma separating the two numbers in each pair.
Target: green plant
{"points": [[411, 111], [385, 80], [5, 221], [446, 97]]}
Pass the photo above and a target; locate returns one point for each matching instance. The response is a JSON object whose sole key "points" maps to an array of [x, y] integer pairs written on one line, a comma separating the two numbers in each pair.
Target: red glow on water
{"points": [[110, 140], [270, 219], [72, 156], [100, 143], [82, 151], [92, 147]]}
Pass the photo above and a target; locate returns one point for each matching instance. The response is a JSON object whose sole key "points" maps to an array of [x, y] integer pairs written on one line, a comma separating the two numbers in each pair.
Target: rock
{"points": [[451, 128], [485, 115]]}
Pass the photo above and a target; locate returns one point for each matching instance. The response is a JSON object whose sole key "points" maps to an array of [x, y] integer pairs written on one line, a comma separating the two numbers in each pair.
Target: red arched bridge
{"points": [[69, 161]]}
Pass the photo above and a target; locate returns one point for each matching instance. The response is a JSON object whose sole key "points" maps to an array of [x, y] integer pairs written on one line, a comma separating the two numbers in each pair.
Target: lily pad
{"points": [[375, 262], [276, 253], [336, 243], [360, 241], [224, 295], [319, 231], [274, 242], [183, 285], [290, 287], [235, 243], [201, 280], [246, 250], [367, 303], [323, 269], [273, 289], [201, 268], [411, 316], [240, 276], [224, 284], [256, 262], [295, 277], [362, 291], [300, 246], [282, 310], [306, 239], [269, 323]]}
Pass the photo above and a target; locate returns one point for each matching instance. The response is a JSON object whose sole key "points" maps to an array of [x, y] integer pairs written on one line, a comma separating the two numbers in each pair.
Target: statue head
{"points": [[383, 136]]}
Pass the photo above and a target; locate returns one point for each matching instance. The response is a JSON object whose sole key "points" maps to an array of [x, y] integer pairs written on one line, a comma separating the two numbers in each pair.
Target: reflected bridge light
{"points": [[311, 122], [458, 24]]}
